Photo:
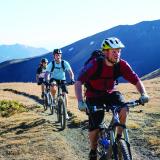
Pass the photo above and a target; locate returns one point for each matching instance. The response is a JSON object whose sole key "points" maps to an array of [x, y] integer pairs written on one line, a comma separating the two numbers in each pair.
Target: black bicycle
{"points": [[110, 147], [60, 106], [48, 101]]}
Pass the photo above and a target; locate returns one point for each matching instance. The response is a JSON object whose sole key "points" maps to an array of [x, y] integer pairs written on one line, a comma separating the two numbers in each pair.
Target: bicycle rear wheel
{"points": [[62, 113]]}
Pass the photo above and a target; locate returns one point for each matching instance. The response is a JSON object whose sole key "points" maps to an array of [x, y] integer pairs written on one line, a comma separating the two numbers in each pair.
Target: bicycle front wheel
{"points": [[62, 113], [50, 99], [45, 102], [123, 150]]}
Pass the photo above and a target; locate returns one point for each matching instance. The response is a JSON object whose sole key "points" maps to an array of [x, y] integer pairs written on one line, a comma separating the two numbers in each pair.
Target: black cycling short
{"points": [[96, 119], [62, 82], [40, 81]]}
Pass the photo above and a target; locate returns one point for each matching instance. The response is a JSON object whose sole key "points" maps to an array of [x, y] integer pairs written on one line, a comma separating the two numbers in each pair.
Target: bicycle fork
{"points": [[113, 139], [126, 138]]}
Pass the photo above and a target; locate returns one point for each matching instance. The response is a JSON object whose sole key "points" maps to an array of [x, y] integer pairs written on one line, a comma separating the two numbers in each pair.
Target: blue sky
{"points": [[57, 23]]}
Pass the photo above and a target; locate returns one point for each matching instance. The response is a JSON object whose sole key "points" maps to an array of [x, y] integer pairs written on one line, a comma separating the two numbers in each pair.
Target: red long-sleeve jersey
{"points": [[106, 81]]}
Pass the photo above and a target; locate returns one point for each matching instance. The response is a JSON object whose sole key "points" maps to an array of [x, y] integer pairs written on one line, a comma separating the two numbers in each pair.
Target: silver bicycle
{"points": [[110, 147]]}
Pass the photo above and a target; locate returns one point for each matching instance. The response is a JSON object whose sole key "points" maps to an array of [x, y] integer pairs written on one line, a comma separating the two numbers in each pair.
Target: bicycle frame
{"points": [[59, 92]]}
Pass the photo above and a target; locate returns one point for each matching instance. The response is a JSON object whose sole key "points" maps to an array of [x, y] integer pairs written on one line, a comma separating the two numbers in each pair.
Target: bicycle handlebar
{"points": [[133, 103], [69, 83], [129, 104], [66, 83]]}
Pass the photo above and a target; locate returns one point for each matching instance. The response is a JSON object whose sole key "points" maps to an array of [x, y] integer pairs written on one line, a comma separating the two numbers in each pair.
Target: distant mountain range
{"points": [[142, 43], [19, 51]]}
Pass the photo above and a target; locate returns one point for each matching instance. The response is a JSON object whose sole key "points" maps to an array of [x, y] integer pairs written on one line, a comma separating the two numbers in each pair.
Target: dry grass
{"points": [[143, 121], [29, 136]]}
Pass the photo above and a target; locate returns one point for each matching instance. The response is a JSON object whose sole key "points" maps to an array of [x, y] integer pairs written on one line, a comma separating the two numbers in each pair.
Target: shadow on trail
{"points": [[82, 124], [71, 125], [22, 127], [36, 98], [57, 127]]}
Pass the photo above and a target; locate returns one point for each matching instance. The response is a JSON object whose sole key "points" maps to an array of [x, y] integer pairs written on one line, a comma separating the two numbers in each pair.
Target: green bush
{"points": [[8, 108]]}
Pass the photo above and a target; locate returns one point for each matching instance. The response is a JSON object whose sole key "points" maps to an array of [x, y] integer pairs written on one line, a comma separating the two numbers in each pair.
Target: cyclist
{"points": [[102, 90], [40, 74], [57, 69]]}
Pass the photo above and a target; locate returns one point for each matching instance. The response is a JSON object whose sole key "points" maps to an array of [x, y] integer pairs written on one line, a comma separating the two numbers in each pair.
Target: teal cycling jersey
{"points": [[58, 72]]}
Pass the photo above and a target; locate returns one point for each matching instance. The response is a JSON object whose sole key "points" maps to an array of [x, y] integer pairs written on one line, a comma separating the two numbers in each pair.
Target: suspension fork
{"points": [[112, 131], [126, 136], [112, 137]]}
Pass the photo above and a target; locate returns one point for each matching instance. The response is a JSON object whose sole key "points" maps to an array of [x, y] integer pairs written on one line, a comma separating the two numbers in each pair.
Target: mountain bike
{"points": [[110, 147], [48, 101], [60, 106]]}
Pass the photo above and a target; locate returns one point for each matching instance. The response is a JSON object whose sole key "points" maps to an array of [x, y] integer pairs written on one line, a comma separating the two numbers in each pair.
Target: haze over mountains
{"points": [[142, 43], [19, 51]]}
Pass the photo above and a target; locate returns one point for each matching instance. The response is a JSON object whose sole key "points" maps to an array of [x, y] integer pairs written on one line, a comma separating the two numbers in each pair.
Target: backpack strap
{"points": [[99, 68], [117, 72], [53, 65], [62, 63]]}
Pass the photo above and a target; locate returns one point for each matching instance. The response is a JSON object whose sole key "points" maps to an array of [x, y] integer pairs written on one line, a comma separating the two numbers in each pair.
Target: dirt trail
{"points": [[35, 135]]}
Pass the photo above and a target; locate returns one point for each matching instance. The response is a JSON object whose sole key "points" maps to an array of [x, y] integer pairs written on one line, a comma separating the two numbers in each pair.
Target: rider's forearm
{"points": [[71, 74], [140, 87], [78, 90]]}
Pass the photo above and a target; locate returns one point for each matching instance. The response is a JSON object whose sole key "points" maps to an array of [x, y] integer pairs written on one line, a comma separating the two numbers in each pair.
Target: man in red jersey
{"points": [[101, 90]]}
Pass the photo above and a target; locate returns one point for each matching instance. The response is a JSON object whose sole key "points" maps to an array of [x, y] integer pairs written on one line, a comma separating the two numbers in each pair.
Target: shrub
{"points": [[8, 108]]}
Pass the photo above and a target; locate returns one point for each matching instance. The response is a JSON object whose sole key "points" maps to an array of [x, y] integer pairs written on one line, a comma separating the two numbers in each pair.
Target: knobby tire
{"points": [[123, 151], [45, 102], [62, 112], [50, 100]]}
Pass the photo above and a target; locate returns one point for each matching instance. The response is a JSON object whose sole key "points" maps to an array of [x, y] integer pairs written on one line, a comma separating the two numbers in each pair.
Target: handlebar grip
{"points": [[133, 103]]}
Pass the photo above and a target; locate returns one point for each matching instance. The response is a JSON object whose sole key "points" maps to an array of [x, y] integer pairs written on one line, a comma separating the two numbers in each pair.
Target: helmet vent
{"points": [[111, 41], [106, 43], [116, 41]]}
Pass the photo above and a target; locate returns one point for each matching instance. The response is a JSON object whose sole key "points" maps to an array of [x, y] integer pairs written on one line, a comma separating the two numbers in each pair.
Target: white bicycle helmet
{"points": [[112, 43], [44, 60]]}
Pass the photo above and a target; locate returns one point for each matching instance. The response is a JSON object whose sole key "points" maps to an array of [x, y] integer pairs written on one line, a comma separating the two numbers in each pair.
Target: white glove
{"points": [[144, 98], [82, 106]]}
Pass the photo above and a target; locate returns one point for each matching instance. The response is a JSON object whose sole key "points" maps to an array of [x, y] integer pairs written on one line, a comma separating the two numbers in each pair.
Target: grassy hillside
{"points": [[32, 135], [152, 75]]}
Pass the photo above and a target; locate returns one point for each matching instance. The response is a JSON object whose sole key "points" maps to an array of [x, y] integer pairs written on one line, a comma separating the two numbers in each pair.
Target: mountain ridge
{"points": [[19, 51], [141, 51]]}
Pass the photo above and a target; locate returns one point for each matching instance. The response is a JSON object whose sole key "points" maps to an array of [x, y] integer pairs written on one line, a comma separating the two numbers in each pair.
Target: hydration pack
{"points": [[99, 57]]}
